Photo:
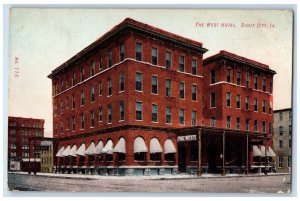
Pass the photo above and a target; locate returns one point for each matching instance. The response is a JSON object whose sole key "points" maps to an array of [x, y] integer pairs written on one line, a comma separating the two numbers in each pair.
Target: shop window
{"points": [[140, 156], [170, 157], [121, 157], [194, 151], [155, 156]]}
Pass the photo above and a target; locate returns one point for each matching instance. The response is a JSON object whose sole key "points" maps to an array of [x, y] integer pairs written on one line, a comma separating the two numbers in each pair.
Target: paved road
{"points": [[261, 184]]}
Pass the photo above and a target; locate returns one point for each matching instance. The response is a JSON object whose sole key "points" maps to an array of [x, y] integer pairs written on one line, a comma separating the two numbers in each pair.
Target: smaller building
{"points": [[20, 146], [282, 140], [46, 156]]}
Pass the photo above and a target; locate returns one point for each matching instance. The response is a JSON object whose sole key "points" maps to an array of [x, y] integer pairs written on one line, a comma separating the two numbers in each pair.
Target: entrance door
{"points": [[181, 157], [212, 166]]}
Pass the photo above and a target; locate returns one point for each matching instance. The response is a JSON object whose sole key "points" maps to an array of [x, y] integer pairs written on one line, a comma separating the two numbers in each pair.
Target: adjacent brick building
{"points": [[121, 103], [282, 140], [20, 130]]}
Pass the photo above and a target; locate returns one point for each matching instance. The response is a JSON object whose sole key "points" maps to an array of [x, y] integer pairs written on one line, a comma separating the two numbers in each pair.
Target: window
{"points": [[290, 129], [271, 87], [228, 122], [154, 84], [62, 127], [228, 75], [212, 100], [73, 101], [61, 107], [280, 161], [168, 115], [138, 111], [289, 161], [82, 97], [140, 156], [181, 93], [82, 120], [280, 130], [67, 123], [247, 102], [73, 123], [264, 127], [13, 154], [228, 99], [81, 73], [238, 78], [100, 114], [281, 116], [55, 108], [181, 63], [255, 104], [92, 118], [122, 111], [92, 94], [109, 58], [109, 87], [255, 82], [121, 82], [73, 79], [155, 156], [67, 102], [270, 127], [212, 76], [255, 125], [248, 79], [168, 60], [264, 85], [168, 87], [181, 117], [264, 106], [247, 124], [13, 146], [194, 92], [290, 144], [154, 113], [100, 88], [238, 101], [213, 121], [92, 68], [121, 51], [280, 144], [139, 81], [194, 118], [138, 51], [109, 114], [100, 60], [238, 123], [154, 56], [13, 132], [194, 66]]}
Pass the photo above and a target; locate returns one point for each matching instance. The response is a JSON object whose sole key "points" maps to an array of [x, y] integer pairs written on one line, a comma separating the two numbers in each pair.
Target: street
{"points": [[229, 184]]}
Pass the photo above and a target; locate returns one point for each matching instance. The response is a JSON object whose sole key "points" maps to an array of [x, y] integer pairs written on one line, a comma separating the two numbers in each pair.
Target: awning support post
{"points": [[247, 155], [199, 153], [266, 158], [223, 155]]}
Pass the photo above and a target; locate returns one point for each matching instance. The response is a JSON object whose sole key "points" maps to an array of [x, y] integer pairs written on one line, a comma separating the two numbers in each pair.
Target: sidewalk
{"points": [[154, 177]]}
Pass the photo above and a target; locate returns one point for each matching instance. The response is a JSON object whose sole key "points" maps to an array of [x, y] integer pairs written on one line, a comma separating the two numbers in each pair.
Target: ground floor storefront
{"points": [[142, 151]]}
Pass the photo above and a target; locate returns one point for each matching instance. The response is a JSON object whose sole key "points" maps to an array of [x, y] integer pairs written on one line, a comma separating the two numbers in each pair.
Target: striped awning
{"points": [[91, 150], [139, 145], [66, 151], [99, 147], [169, 147], [155, 146], [256, 151], [108, 149], [60, 151], [81, 150], [270, 152], [72, 152], [120, 147]]}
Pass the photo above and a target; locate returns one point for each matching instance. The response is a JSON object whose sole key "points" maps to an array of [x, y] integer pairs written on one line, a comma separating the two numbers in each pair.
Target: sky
{"points": [[42, 39]]}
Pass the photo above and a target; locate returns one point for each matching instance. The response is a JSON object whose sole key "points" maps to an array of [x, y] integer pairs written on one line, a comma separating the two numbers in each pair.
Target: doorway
{"points": [[181, 157]]}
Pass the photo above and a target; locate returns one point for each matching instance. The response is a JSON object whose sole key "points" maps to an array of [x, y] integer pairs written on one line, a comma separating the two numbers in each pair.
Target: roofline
{"points": [[137, 26], [25, 118], [280, 110], [228, 55]]}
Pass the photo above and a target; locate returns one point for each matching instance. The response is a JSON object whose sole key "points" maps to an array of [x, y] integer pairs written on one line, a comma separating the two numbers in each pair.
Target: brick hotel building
{"points": [[137, 102]]}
